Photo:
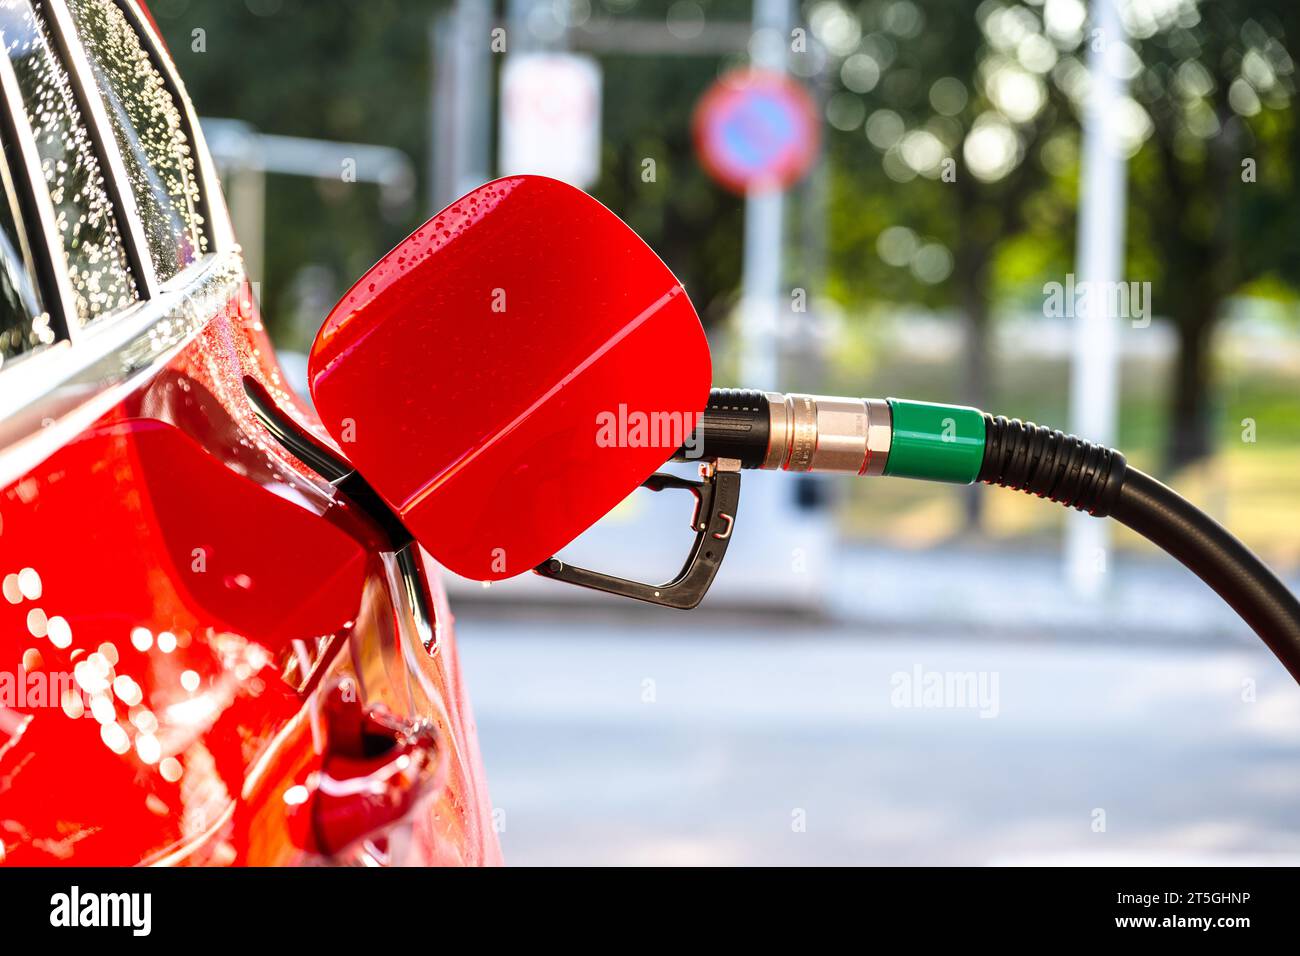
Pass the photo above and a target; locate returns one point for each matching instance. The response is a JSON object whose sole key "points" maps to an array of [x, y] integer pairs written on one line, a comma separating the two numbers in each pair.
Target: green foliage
{"points": [[350, 72], [693, 224], [361, 73]]}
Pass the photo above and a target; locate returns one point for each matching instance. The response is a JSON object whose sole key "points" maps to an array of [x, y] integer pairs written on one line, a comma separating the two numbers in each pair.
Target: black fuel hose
{"points": [[808, 433]]}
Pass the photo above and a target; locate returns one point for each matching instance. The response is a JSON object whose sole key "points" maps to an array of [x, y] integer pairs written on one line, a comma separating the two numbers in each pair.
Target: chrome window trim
{"points": [[56, 287], [52, 396], [100, 129]]}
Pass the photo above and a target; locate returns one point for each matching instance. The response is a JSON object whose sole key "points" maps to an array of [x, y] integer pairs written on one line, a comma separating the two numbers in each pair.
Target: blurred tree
{"points": [[958, 106], [1212, 188], [362, 73], [650, 174], [967, 113], [357, 73], [979, 109]]}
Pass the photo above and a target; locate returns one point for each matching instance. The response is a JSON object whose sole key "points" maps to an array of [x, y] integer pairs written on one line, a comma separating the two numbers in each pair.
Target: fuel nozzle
{"points": [[824, 433]]}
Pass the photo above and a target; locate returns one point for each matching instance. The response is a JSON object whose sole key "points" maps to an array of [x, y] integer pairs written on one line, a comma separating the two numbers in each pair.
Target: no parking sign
{"points": [[756, 129]]}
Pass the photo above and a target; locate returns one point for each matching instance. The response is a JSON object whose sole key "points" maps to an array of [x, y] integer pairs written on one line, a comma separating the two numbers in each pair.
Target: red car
{"points": [[208, 654]]}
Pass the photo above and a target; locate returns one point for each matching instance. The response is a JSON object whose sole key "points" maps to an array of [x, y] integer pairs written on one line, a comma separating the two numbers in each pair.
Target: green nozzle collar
{"points": [[935, 442]]}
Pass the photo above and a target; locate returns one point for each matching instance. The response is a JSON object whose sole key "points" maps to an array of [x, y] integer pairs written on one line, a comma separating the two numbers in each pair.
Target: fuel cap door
{"points": [[510, 372]]}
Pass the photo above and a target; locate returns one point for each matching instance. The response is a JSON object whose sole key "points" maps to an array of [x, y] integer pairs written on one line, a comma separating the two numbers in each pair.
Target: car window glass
{"points": [[24, 323], [150, 131], [97, 265]]}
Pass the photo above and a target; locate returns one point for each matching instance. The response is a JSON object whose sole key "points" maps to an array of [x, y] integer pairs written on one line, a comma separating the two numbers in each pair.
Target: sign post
{"points": [[757, 132]]}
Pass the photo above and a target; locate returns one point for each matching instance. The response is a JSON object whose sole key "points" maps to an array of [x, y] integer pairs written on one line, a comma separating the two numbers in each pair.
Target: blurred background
{"points": [[884, 672]]}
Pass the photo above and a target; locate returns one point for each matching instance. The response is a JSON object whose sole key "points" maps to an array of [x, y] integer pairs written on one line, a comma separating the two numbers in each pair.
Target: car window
{"points": [[151, 134], [24, 323], [98, 269]]}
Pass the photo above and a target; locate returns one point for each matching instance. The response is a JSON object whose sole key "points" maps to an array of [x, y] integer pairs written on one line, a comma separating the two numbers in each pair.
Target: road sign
{"points": [[550, 117], [756, 130]]}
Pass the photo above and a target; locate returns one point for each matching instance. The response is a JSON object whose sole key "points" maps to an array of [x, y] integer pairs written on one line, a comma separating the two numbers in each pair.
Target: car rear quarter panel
{"points": [[185, 591]]}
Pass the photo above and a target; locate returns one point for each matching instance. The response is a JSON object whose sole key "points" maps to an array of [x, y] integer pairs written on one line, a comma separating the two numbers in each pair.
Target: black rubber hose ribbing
{"points": [[1078, 474], [1050, 464], [1209, 550]]}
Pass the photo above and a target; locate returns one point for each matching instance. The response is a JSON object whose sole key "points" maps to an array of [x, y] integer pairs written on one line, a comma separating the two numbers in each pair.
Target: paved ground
{"points": [[645, 738], [961, 587]]}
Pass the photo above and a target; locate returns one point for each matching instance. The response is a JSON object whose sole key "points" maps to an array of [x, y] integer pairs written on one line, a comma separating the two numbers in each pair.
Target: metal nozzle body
{"points": [[795, 432], [827, 433]]}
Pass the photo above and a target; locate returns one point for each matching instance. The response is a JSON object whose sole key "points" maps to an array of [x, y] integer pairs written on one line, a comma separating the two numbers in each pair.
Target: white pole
{"points": [[782, 555], [761, 289], [764, 225], [471, 105], [1094, 371]]}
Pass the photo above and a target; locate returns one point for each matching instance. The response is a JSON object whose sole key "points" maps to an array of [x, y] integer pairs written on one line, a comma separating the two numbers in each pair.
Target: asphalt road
{"points": [[609, 741]]}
